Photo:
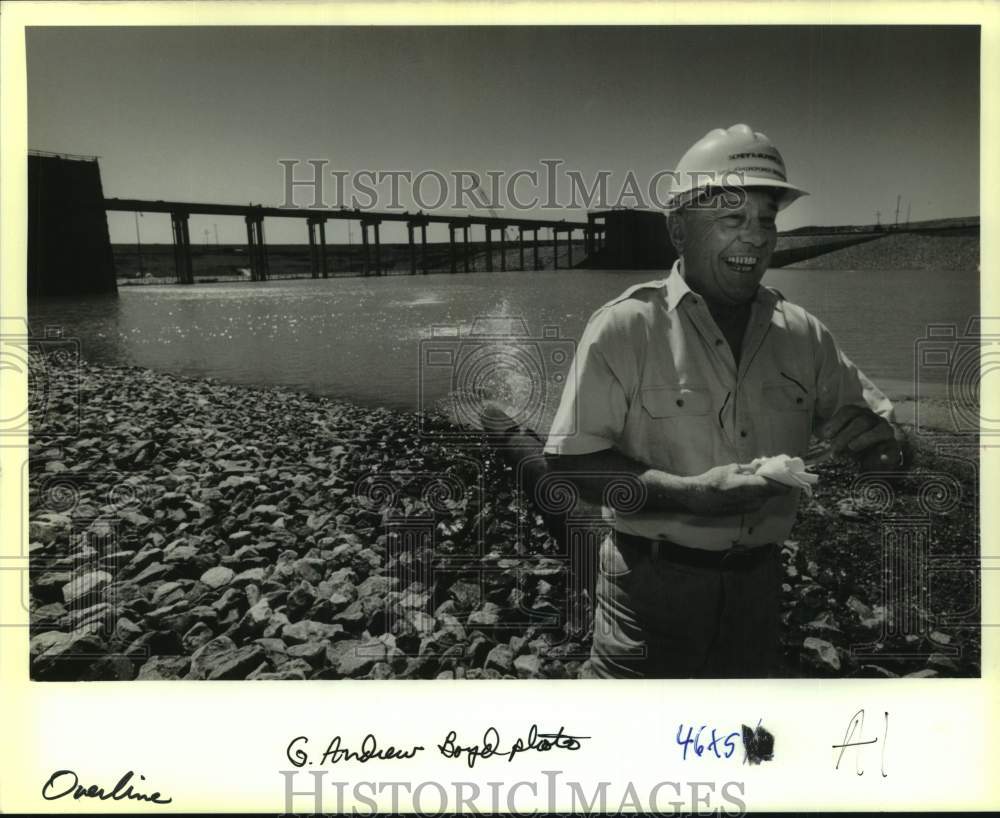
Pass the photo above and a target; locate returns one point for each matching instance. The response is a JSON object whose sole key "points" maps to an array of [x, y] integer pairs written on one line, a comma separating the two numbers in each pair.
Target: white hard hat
{"points": [[737, 157]]}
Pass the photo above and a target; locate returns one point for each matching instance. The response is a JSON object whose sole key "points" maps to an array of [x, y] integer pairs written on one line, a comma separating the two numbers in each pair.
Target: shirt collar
{"points": [[677, 289]]}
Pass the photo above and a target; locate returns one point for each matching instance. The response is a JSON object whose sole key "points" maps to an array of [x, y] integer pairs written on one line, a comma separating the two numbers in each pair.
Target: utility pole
{"points": [[898, 197], [216, 228], [138, 241], [878, 220], [908, 214]]}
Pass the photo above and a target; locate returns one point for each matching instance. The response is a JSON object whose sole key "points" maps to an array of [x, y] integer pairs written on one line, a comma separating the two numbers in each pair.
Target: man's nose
{"points": [[754, 233]]}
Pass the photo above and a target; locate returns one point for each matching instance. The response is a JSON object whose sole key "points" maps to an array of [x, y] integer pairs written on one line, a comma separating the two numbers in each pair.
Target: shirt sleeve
{"points": [[594, 404], [840, 383]]}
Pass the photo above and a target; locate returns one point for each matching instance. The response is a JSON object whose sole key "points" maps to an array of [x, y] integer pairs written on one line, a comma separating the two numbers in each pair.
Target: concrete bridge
{"points": [[315, 220]]}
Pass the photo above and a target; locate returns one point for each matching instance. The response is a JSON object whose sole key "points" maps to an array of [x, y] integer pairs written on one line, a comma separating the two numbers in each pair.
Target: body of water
{"points": [[409, 342]]}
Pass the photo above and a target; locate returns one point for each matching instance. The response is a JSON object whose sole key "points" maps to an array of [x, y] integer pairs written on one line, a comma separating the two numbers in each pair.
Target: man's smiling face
{"points": [[727, 250]]}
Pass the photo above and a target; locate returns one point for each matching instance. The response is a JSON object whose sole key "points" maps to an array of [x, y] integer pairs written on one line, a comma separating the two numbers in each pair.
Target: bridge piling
{"points": [[412, 248], [378, 249], [520, 244], [423, 248], [175, 232], [182, 248], [322, 246], [313, 256], [534, 242], [503, 248], [367, 250], [265, 263], [569, 245], [555, 249], [251, 249], [451, 248], [465, 246]]}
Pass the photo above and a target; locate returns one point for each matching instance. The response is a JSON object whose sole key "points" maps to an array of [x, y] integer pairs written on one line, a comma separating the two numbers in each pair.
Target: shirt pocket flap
{"points": [[676, 401], [784, 397]]}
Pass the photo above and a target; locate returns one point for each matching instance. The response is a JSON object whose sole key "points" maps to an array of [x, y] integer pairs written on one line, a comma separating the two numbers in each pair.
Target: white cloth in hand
{"points": [[789, 471]]}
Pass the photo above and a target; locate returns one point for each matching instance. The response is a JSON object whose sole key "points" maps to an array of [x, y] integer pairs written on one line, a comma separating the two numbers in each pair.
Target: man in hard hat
{"points": [[678, 385]]}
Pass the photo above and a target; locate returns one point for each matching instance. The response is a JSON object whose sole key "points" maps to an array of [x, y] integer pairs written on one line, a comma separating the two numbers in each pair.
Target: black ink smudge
{"points": [[758, 744]]}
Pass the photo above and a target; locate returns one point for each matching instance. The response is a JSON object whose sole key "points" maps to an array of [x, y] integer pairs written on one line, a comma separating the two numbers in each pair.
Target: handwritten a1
{"points": [[857, 726]]}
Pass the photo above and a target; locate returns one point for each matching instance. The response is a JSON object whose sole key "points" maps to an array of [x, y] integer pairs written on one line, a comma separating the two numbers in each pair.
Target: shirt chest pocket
{"points": [[676, 426], [788, 411]]}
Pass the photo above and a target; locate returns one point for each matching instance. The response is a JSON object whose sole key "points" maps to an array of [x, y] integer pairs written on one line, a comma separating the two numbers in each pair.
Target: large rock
{"points": [[154, 643], [221, 659], [487, 616], [942, 662], [311, 570], [467, 595], [501, 659], [250, 576], [256, 619], [48, 615], [377, 585], [167, 594], [218, 577], [43, 641], [71, 659], [821, 654], [354, 657], [164, 667], [352, 618], [197, 635], [48, 527], [308, 630], [313, 652], [153, 572], [87, 585], [203, 658], [528, 666]]}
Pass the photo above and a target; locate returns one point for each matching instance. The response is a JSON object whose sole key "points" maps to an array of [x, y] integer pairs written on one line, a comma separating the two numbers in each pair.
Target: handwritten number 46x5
{"points": [[726, 750]]}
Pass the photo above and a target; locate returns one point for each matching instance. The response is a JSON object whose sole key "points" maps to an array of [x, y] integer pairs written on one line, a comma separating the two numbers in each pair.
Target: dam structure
{"points": [[70, 252], [315, 220]]}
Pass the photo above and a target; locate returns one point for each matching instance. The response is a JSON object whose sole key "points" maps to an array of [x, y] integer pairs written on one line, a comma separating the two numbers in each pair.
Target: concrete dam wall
{"points": [[69, 249]]}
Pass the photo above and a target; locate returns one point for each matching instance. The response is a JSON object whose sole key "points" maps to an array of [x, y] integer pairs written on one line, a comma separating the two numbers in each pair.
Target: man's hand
{"points": [[730, 490], [868, 437]]}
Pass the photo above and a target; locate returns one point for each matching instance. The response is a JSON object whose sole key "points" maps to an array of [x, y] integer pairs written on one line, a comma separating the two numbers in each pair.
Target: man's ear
{"points": [[677, 230]]}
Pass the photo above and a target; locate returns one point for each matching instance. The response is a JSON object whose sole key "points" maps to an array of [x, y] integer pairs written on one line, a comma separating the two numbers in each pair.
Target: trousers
{"points": [[657, 618]]}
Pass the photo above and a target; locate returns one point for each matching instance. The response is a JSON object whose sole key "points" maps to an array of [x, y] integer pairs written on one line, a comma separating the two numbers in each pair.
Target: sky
{"points": [[860, 115]]}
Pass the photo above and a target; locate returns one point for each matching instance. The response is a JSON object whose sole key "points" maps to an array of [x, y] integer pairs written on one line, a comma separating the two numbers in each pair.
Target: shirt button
{"points": [[743, 432], [798, 400], [718, 342], [750, 530], [680, 401]]}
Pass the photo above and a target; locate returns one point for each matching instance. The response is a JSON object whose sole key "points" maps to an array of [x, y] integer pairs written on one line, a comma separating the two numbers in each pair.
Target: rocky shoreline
{"points": [[190, 529]]}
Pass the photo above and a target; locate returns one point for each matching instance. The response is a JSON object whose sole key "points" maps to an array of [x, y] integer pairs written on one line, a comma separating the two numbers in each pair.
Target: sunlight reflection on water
{"points": [[366, 339]]}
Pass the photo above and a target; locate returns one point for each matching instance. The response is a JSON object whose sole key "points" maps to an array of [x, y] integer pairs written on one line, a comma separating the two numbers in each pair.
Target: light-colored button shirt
{"points": [[655, 379]]}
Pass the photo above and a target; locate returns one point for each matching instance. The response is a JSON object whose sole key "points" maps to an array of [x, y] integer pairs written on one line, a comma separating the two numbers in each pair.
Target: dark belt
{"points": [[741, 558]]}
